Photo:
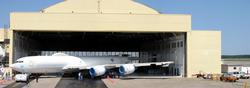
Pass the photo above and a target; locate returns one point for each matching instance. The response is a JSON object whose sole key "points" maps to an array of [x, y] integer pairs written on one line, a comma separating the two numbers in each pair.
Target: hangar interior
{"points": [[139, 46]]}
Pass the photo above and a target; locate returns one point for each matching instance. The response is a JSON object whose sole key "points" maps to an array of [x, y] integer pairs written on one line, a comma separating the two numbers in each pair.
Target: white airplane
{"points": [[59, 62]]}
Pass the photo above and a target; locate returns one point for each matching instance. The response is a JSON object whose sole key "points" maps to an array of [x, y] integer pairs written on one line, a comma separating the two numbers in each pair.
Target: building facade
{"points": [[116, 26], [235, 65]]}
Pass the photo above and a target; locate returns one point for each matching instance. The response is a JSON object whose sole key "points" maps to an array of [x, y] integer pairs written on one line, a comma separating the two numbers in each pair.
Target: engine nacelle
{"points": [[126, 69], [97, 71]]}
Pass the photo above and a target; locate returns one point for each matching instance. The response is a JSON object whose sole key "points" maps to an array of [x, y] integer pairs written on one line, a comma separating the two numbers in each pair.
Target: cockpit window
{"points": [[19, 61]]}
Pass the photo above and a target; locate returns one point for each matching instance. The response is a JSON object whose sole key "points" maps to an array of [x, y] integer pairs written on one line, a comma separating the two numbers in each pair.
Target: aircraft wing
{"points": [[111, 66], [74, 67], [163, 64]]}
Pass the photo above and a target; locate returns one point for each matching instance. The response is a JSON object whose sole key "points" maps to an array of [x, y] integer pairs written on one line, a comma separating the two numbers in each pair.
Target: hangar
{"points": [[116, 26]]}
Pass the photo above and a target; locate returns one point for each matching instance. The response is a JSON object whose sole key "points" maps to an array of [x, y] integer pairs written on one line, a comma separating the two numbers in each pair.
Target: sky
{"points": [[231, 17]]}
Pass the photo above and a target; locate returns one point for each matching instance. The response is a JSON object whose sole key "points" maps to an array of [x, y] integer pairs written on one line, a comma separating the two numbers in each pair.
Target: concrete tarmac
{"points": [[171, 83], [69, 82], [59, 82], [16, 85], [131, 82], [43, 81]]}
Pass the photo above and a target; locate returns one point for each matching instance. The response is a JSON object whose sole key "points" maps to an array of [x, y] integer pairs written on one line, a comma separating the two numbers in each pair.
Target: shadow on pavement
{"points": [[70, 82]]}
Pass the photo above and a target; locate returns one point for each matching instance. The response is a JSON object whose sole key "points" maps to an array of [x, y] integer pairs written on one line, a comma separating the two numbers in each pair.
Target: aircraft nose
{"points": [[17, 67], [12, 66]]}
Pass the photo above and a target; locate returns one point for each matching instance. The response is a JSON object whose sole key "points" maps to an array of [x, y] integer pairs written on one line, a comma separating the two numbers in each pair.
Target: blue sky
{"points": [[232, 17]]}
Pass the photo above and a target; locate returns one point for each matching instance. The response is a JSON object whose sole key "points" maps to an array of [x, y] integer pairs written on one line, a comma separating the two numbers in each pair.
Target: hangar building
{"points": [[99, 27], [238, 63]]}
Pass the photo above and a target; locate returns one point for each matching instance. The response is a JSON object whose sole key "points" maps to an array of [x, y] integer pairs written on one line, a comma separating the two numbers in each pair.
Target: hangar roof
{"points": [[100, 16], [100, 6]]}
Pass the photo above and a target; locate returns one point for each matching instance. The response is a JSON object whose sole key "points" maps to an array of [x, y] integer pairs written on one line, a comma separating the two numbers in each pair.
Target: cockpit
{"points": [[19, 61]]}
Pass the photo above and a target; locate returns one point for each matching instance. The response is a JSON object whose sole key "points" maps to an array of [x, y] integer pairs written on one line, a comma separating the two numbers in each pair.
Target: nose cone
{"points": [[15, 67], [12, 65]]}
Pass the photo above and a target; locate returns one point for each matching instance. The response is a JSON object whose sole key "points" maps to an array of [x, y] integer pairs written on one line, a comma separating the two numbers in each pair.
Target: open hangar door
{"points": [[139, 46]]}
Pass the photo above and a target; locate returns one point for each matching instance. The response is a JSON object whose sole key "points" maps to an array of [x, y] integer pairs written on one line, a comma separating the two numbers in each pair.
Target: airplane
{"points": [[62, 63]]}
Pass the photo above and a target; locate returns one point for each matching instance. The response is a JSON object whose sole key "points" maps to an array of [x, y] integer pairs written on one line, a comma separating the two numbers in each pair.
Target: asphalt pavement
{"points": [[16, 85], [70, 82]]}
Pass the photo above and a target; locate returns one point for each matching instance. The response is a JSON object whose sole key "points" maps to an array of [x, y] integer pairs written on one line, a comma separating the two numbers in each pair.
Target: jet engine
{"points": [[126, 69], [97, 71]]}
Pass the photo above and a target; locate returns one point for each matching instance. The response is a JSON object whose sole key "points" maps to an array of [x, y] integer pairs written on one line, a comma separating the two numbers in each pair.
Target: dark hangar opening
{"points": [[91, 41], [147, 47]]}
